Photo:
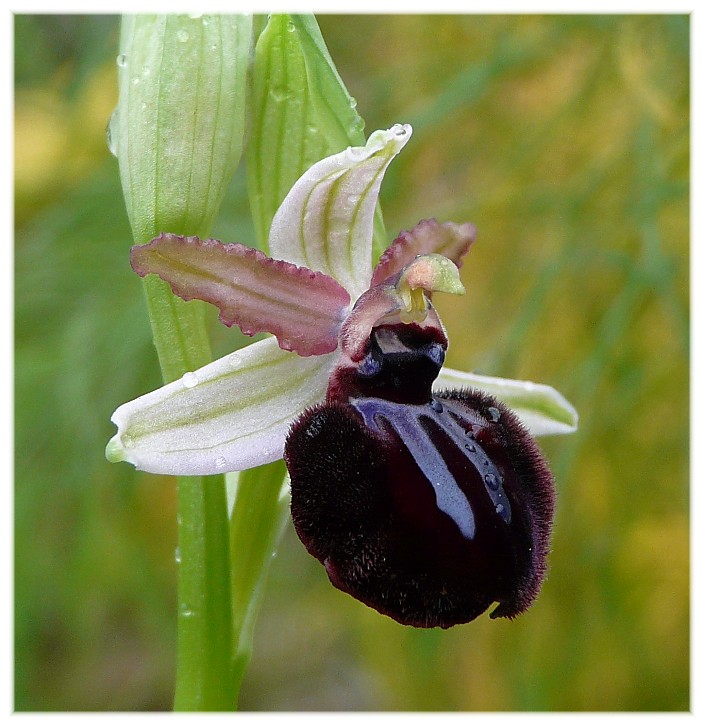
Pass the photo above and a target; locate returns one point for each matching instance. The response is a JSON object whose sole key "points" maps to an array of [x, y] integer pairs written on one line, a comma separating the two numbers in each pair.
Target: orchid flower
{"points": [[426, 504], [235, 413]]}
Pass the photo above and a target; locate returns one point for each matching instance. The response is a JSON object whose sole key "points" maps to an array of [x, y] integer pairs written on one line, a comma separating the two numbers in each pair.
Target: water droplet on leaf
{"points": [[111, 132], [279, 94], [182, 36], [122, 60]]}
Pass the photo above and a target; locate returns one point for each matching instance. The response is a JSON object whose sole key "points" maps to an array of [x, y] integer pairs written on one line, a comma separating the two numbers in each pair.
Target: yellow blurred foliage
{"points": [[59, 141]]}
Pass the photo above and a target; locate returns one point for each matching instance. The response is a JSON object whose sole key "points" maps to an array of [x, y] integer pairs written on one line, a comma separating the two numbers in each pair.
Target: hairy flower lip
{"points": [[433, 548]]}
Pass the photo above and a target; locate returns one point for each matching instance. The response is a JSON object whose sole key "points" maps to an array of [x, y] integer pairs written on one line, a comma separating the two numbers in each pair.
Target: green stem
{"points": [[204, 670], [204, 664], [178, 329]]}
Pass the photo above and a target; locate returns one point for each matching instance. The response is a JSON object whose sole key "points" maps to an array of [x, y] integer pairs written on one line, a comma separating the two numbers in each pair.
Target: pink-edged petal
{"points": [[427, 237], [230, 415], [302, 308], [326, 220]]}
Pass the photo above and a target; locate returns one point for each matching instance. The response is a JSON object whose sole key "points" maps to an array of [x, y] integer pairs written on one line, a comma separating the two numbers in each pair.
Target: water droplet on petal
{"points": [[356, 152], [436, 405], [492, 481], [352, 102], [471, 447], [189, 380], [494, 413], [499, 508], [220, 462], [122, 60]]}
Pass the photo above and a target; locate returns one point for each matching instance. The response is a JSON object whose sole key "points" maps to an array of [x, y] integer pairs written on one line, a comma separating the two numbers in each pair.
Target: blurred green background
{"points": [[565, 139]]}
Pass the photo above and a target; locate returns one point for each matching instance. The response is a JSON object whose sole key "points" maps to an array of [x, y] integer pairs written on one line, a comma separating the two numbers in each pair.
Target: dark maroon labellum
{"points": [[426, 507]]}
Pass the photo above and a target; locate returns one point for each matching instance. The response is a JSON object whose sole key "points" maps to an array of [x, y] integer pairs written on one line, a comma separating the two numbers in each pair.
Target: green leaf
{"points": [[260, 513], [301, 113]]}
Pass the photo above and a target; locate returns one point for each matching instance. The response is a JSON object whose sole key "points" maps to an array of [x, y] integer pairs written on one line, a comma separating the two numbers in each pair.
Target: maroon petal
{"points": [[428, 237], [302, 308]]}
